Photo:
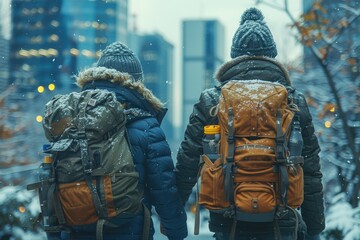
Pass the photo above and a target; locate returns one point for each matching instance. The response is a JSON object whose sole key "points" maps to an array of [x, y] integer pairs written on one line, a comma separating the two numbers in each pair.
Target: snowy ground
{"points": [[13, 197]]}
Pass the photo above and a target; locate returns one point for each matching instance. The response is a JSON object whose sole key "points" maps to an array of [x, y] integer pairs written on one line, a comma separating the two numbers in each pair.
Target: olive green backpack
{"points": [[94, 177]]}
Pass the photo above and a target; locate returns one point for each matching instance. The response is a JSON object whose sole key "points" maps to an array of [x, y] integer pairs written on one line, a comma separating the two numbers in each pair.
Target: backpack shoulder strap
{"points": [[87, 165], [133, 114], [292, 100]]}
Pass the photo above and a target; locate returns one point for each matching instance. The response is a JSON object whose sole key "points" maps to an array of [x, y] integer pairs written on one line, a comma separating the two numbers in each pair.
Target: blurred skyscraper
{"points": [[4, 43], [156, 57], [90, 27], [202, 53], [53, 40], [4, 63], [36, 44]]}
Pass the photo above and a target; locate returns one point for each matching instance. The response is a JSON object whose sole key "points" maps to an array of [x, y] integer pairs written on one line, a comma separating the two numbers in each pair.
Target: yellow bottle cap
{"points": [[47, 159], [211, 129]]}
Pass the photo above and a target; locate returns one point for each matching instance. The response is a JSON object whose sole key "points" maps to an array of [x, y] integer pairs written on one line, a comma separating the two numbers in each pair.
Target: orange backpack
{"points": [[255, 175]]}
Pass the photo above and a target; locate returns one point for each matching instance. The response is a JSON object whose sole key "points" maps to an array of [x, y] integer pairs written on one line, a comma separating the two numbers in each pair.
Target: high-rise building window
{"points": [[54, 38], [149, 56], [54, 23], [37, 39]]}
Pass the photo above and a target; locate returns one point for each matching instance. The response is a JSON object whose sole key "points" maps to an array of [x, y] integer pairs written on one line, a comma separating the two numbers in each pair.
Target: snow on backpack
{"points": [[255, 175], [93, 175]]}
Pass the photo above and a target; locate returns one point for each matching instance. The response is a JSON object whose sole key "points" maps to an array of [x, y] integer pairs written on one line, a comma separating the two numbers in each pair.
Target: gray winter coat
{"points": [[249, 68]]}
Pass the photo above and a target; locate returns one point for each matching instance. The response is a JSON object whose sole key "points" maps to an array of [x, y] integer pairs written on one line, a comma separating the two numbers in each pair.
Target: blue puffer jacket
{"points": [[151, 153]]}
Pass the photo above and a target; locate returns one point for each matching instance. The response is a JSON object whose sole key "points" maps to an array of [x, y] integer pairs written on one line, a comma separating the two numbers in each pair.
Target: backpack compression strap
{"points": [[281, 160], [146, 228], [229, 184], [86, 161], [228, 169]]}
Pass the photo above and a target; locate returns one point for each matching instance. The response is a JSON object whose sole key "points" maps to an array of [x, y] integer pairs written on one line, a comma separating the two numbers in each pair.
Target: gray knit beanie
{"points": [[121, 58], [253, 37]]}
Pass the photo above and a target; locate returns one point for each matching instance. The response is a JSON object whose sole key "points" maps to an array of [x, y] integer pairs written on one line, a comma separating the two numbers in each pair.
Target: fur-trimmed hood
{"points": [[251, 68], [97, 74]]}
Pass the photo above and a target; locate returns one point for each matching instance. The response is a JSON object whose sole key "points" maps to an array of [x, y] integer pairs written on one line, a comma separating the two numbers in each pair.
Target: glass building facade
{"points": [[91, 25], [4, 43], [4, 63], [203, 52], [36, 43], [53, 40], [156, 56]]}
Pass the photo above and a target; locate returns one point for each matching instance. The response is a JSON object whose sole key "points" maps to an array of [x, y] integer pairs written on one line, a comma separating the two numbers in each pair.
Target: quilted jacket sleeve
{"points": [[152, 157], [160, 183], [312, 208], [187, 165]]}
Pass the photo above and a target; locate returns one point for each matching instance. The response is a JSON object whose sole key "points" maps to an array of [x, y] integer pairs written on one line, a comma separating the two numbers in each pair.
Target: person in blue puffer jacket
{"points": [[119, 70]]}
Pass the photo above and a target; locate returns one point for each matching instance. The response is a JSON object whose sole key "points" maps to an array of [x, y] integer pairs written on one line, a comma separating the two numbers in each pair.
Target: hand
{"points": [[312, 237]]}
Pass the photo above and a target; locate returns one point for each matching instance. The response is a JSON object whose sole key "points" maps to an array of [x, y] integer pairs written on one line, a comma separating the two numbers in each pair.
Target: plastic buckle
{"points": [[88, 170], [81, 135]]}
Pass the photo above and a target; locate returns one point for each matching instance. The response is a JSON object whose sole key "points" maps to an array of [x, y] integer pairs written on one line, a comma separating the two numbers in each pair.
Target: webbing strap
{"points": [[277, 232], [57, 205], [284, 184], [147, 222], [296, 160], [197, 209], [280, 139], [230, 138], [233, 230], [281, 159], [229, 184], [228, 168], [99, 229], [86, 161], [103, 222], [296, 222]]}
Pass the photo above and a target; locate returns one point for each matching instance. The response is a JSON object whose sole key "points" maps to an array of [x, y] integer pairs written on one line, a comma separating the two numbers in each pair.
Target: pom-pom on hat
{"points": [[121, 58], [253, 37]]}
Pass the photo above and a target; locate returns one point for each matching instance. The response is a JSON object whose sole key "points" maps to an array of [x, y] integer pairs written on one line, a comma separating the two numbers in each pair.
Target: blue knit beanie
{"points": [[253, 37], [121, 58]]}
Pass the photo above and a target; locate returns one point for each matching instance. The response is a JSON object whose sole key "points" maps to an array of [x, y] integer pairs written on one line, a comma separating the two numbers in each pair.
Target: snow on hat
{"points": [[253, 37], [121, 58]]}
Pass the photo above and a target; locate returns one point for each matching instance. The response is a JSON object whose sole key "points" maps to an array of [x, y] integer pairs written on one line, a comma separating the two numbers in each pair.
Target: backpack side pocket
{"points": [[212, 186]]}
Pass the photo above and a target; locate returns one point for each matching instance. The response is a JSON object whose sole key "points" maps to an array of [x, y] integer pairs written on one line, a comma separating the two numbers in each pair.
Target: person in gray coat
{"points": [[253, 51]]}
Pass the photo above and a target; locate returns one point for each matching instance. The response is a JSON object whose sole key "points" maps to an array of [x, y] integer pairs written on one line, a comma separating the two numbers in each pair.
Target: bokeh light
{"points": [[39, 118], [51, 87], [40, 89]]}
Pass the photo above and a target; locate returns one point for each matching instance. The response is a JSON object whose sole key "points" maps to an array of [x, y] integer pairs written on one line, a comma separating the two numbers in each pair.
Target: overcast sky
{"points": [[165, 17]]}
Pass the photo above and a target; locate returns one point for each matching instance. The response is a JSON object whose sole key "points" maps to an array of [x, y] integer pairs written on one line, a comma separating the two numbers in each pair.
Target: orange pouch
{"points": [[255, 197], [296, 186], [212, 193], [77, 203]]}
